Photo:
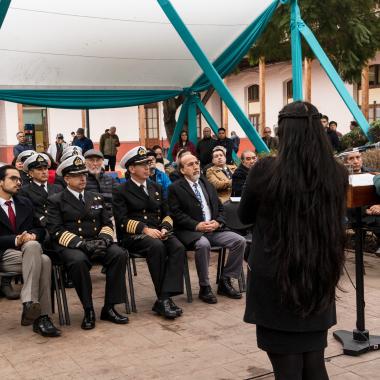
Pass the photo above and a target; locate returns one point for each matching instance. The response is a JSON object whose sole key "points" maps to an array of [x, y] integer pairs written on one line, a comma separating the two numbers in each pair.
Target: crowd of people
{"points": [[64, 201]]}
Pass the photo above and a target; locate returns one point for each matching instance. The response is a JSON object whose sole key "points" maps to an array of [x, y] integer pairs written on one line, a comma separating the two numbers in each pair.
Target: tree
{"points": [[171, 106], [348, 31]]}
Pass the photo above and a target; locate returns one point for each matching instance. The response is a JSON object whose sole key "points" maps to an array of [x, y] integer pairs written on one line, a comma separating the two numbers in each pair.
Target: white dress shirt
{"points": [[205, 207], [40, 185], [139, 185], [5, 207], [75, 193]]}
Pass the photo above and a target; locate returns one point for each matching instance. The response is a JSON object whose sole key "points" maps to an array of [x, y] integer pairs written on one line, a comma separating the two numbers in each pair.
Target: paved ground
{"points": [[207, 342]]}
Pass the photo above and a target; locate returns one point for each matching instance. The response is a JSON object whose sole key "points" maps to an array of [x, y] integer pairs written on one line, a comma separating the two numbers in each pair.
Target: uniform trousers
{"points": [[35, 268], [165, 259], [79, 264], [228, 239]]}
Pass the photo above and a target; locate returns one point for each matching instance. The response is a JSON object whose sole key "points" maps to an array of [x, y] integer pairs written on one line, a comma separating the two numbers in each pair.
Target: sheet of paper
{"points": [[365, 179], [235, 199]]}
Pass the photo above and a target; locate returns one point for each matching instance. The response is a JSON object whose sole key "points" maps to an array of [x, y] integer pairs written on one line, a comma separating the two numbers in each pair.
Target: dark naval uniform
{"points": [[38, 196], [134, 210], [69, 223]]}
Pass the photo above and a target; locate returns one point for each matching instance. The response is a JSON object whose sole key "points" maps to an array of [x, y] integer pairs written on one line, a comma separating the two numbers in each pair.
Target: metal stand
{"points": [[358, 341]]}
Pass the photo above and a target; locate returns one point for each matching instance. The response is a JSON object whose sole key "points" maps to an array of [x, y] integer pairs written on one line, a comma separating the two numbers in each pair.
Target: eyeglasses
{"points": [[192, 164], [15, 179], [250, 158]]}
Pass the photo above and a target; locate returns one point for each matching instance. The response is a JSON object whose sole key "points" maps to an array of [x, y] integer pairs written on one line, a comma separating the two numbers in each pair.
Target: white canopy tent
{"points": [[114, 44]]}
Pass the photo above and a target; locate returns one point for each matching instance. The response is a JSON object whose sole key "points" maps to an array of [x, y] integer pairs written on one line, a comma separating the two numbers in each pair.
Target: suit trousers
{"points": [[165, 259], [228, 239], [35, 268], [79, 264], [111, 163]]}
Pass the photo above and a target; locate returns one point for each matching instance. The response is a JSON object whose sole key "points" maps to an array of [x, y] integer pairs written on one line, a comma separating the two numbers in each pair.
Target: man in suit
{"points": [[248, 159], [38, 190], [145, 227], [81, 228], [21, 252], [199, 223]]}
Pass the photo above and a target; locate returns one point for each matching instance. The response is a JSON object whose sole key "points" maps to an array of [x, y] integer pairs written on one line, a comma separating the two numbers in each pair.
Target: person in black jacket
{"points": [[296, 202], [226, 143], [205, 147], [199, 224], [248, 159], [144, 226], [21, 252]]}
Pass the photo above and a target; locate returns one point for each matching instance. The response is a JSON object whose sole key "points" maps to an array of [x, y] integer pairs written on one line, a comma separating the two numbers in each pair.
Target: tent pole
{"points": [[334, 77], [4, 5], [88, 123], [212, 75], [212, 123], [192, 119], [296, 51], [178, 128]]}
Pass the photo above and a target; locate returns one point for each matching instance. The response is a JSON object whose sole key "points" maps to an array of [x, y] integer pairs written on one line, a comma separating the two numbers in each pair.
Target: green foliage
{"points": [[353, 139], [374, 131], [348, 31]]}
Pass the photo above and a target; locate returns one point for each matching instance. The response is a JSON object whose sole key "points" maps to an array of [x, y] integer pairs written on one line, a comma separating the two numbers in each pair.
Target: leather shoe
{"points": [[44, 326], [206, 295], [30, 312], [176, 308], [110, 314], [162, 307], [88, 322], [6, 289], [225, 288]]}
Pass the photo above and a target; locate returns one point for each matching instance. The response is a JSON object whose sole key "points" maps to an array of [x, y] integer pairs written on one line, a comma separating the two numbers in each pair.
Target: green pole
{"points": [[178, 128], [192, 119], [212, 75], [296, 51]]}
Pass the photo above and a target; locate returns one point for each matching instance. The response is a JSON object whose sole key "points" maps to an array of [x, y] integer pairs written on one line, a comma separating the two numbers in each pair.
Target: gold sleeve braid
{"points": [[131, 226], [66, 238], [106, 231]]}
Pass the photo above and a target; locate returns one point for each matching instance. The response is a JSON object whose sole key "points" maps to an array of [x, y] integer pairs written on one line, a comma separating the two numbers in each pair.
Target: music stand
{"points": [[359, 341]]}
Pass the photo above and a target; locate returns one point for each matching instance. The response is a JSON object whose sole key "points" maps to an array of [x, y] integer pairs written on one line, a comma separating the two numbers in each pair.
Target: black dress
{"points": [[279, 329]]}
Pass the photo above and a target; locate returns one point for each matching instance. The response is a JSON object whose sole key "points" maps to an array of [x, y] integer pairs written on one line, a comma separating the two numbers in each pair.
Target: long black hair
{"points": [[308, 188]]}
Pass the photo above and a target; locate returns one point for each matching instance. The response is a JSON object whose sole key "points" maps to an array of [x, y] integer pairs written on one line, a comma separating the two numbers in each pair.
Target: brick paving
{"points": [[207, 342]]}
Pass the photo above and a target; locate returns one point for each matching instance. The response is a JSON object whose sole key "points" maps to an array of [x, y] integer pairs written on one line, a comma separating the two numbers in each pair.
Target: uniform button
{"points": [[144, 211], [95, 228], [45, 211], [79, 221], [122, 225], [93, 220], [145, 217]]}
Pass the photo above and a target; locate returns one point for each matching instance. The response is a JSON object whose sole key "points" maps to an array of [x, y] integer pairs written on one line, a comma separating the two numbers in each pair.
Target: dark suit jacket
{"points": [[69, 221], [263, 302], [39, 197], [24, 222], [186, 210]]}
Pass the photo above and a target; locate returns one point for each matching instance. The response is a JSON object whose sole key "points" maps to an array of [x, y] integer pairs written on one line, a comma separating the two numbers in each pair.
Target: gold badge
{"points": [[40, 158], [78, 161], [141, 151]]}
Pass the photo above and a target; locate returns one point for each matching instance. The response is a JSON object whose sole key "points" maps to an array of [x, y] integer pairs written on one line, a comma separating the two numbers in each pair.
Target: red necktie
{"points": [[11, 215]]}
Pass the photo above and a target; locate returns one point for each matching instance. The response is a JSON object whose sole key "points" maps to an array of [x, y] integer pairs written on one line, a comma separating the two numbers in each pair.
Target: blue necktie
{"points": [[199, 197]]}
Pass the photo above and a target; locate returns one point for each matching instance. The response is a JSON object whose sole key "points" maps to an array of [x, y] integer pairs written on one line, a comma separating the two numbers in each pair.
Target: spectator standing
{"points": [[183, 143], [333, 135], [109, 142], [325, 122], [55, 150], [205, 147], [353, 125], [236, 140], [73, 138], [22, 145], [333, 125], [272, 142], [82, 141], [226, 143], [157, 175], [248, 159]]}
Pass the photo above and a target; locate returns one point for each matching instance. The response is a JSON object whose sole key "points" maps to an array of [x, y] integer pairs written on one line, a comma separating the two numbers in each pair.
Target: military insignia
{"points": [[40, 158], [78, 161], [141, 151], [75, 152]]}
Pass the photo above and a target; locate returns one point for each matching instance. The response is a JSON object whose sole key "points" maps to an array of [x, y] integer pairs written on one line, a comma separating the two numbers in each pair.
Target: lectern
{"points": [[359, 340]]}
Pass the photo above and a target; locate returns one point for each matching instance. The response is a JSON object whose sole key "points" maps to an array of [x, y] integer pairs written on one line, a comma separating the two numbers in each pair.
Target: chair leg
{"points": [[219, 266], [58, 295], [52, 289], [64, 298], [134, 266], [131, 287], [186, 275], [243, 282], [127, 304]]}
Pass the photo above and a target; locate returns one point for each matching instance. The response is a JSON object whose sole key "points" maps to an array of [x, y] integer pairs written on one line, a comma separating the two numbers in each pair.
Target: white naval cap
{"points": [[72, 165], [25, 154], [136, 155], [70, 153], [37, 160]]}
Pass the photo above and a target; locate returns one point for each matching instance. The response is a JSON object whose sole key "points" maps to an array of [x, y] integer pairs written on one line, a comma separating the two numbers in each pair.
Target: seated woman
{"points": [[220, 174]]}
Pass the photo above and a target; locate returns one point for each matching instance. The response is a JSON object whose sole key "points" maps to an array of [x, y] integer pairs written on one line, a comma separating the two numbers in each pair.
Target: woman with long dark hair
{"points": [[296, 202], [184, 143]]}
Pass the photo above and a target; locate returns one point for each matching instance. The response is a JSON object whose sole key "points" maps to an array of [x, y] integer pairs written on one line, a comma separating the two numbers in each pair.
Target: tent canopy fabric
{"points": [[114, 44]]}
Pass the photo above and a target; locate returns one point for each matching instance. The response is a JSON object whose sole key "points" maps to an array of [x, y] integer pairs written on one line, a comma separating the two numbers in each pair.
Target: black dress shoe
{"points": [[176, 308], [88, 322], [206, 295], [110, 314], [162, 307], [225, 288], [44, 326], [30, 312]]}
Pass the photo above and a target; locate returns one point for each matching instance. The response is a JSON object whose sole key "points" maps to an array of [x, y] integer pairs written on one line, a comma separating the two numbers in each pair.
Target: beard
{"points": [[195, 177]]}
